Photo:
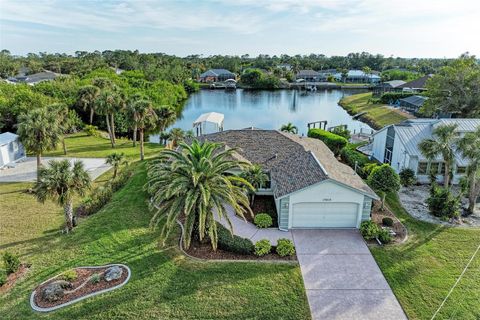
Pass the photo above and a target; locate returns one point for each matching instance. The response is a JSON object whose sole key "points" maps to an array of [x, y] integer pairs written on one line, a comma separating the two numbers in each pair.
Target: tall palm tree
{"points": [[145, 119], [176, 136], [193, 184], [132, 113], [61, 182], [166, 117], [64, 121], [290, 128], [108, 103], [469, 146], [116, 159], [443, 145], [39, 132], [86, 99], [255, 175]]}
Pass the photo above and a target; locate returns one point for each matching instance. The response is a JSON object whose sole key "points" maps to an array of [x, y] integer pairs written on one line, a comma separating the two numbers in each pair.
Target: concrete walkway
{"points": [[342, 280], [26, 170], [248, 230]]}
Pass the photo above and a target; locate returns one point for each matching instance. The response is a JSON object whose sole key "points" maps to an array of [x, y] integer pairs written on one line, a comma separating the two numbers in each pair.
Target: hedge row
{"points": [[392, 97], [233, 243], [351, 156], [335, 142]]}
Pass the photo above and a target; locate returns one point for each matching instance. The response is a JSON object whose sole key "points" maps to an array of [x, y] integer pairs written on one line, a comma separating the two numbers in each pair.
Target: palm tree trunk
{"points": [[135, 129], [112, 124], [109, 130], [472, 194], [91, 115], [115, 168], [446, 179], [39, 162], [141, 144], [68, 210], [64, 146]]}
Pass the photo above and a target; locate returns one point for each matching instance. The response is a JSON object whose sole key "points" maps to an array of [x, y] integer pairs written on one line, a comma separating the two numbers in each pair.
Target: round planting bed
{"points": [[78, 284]]}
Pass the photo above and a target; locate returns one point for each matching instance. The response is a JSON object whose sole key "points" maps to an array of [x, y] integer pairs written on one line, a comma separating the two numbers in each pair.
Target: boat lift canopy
{"points": [[215, 120]]}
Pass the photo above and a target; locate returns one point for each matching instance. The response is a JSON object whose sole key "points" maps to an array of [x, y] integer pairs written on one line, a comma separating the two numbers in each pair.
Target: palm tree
{"points": [[255, 175], [190, 134], [86, 99], [60, 182], [132, 113], [441, 145], [176, 135], [469, 146], [116, 159], [39, 132], [166, 117], [164, 136], [194, 184], [145, 119], [290, 128], [64, 121], [108, 103]]}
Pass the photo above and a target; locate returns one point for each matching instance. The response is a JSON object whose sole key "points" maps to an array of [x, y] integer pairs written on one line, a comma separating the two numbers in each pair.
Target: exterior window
{"points": [[422, 168], [388, 156], [461, 170]]}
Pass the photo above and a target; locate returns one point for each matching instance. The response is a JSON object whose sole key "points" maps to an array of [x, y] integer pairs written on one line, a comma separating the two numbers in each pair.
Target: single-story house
{"points": [[358, 76], [386, 86], [417, 85], [11, 149], [310, 187], [35, 78], [215, 75], [412, 104], [309, 76], [398, 145]]}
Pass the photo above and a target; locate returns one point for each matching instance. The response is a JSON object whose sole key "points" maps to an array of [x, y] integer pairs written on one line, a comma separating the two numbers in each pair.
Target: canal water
{"points": [[268, 109]]}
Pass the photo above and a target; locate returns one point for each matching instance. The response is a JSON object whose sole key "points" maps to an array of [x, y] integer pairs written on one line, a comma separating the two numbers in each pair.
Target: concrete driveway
{"points": [[26, 170], [341, 278]]}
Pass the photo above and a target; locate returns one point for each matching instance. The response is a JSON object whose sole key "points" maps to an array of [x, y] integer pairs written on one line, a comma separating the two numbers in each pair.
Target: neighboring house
{"points": [[412, 104], [417, 85], [398, 146], [11, 150], [309, 76], [216, 75], [33, 79], [358, 76], [386, 86], [311, 188]]}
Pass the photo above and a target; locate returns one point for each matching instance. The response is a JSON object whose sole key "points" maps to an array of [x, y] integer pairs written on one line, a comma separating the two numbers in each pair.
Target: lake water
{"points": [[268, 109]]}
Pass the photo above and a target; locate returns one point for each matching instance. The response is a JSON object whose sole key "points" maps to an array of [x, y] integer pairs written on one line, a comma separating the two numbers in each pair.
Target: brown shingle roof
{"points": [[417, 83], [292, 161]]}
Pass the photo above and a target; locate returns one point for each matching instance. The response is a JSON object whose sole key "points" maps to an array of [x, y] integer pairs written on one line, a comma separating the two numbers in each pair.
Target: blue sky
{"points": [[407, 28]]}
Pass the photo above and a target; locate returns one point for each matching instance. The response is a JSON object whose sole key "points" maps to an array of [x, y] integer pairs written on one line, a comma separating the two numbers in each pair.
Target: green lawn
{"points": [[84, 146], [377, 115], [164, 284], [422, 271]]}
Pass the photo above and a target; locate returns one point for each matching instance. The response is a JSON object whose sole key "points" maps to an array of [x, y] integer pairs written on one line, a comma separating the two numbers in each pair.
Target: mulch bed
{"points": [[398, 227], [82, 275], [264, 204], [205, 251], [14, 277]]}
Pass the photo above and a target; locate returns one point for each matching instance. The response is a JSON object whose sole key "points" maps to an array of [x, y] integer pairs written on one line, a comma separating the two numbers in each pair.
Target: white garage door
{"points": [[325, 215]]}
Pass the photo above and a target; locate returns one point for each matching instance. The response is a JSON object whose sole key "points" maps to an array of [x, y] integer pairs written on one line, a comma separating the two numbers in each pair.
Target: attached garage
{"points": [[325, 215]]}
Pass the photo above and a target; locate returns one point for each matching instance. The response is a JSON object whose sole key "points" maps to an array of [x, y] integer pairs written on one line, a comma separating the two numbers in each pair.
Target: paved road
{"points": [[342, 279]]}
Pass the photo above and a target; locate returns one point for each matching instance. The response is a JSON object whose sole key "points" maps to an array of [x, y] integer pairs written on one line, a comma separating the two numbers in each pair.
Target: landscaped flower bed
{"points": [[77, 284], [397, 227]]}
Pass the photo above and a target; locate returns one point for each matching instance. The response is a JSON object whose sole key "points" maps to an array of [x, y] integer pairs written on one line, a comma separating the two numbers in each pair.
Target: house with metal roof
{"points": [[217, 75], [358, 76], [310, 187], [11, 149], [386, 86], [417, 85], [397, 145], [412, 104], [33, 79]]}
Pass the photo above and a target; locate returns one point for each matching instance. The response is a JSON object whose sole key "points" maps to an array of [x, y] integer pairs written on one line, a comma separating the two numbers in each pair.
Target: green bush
{"points": [[233, 243], [334, 142], [96, 277], [263, 220], [387, 221], [11, 261], [392, 97], [351, 156], [384, 236], [285, 247], [407, 177], [342, 132], [369, 168], [369, 230], [3, 278], [262, 247], [70, 275], [442, 203], [91, 130]]}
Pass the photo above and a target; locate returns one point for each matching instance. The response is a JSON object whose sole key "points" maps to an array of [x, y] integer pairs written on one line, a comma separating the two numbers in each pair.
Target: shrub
{"points": [[384, 179], [3, 278], [285, 247], [91, 130], [384, 236], [369, 230], [387, 221], [69, 275], [96, 277], [342, 132], [392, 97], [233, 243], [351, 156], [11, 261], [262, 247], [334, 142], [369, 168], [407, 177], [442, 203], [263, 220]]}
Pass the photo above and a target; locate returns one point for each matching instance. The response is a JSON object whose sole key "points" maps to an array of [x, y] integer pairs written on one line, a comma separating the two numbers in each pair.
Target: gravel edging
{"points": [[40, 309]]}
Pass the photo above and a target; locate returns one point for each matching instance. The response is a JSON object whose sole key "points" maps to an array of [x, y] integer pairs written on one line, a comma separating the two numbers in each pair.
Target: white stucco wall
{"points": [[378, 149], [327, 192]]}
